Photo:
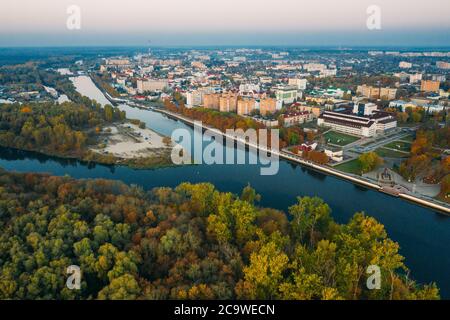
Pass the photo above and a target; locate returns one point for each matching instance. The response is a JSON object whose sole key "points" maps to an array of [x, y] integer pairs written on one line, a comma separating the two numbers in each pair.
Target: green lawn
{"points": [[350, 167], [382, 152], [409, 138], [340, 139], [399, 145]]}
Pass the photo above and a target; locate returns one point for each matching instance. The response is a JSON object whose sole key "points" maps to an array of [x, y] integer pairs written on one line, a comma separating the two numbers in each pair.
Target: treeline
{"points": [[227, 120], [61, 130], [31, 76], [191, 242]]}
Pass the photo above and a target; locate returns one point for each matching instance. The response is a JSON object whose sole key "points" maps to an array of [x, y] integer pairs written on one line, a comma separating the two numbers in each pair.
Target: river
{"points": [[423, 235]]}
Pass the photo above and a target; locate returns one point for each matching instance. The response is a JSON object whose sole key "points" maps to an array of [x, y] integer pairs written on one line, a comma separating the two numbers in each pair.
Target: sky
{"points": [[226, 22]]}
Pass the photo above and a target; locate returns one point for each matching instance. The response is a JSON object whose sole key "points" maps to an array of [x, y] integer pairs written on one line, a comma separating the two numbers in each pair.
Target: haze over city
{"points": [[233, 22]]}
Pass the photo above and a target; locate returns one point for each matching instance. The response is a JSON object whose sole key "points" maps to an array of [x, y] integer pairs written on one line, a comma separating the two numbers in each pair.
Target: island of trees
{"points": [[190, 242], [66, 130]]}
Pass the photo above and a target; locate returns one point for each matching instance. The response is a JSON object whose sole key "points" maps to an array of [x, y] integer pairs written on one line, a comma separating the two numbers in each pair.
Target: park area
{"points": [[353, 166], [388, 153], [340, 139], [401, 146]]}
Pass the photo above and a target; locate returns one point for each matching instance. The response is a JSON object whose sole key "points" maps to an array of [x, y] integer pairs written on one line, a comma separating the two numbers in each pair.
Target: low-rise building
{"points": [[334, 154], [296, 117], [151, 85]]}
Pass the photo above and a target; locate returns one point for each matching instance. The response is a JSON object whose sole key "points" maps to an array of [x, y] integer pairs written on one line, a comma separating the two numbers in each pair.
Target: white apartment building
{"points": [[405, 65], [249, 87], [299, 83], [415, 78], [287, 94], [194, 99]]}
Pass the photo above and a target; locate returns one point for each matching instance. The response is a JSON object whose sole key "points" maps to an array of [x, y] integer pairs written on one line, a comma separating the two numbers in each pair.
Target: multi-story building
{"points": [[365, 123], [118, 62], [286, 94], [245, 106], [314, 110], [267, 106], [310, 67], [211, 101], [296, 117], [228, 102], [151, 85], [405, 65], [198, 65], [299, 83], [194, 98], [249, 87], [430, 86], [376, 92], [443, 65], [415, 78]]}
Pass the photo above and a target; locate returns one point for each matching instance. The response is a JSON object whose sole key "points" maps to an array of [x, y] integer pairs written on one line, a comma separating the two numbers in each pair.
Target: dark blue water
{"points": [[423, 235]]}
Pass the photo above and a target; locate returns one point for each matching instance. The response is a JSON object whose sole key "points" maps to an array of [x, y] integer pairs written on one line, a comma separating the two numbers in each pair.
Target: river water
{"points": [[423, 235]]}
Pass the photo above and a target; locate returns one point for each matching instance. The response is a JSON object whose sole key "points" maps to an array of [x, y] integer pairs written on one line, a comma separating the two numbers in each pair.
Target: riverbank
{"points": [[423, 201], [429, 203]]}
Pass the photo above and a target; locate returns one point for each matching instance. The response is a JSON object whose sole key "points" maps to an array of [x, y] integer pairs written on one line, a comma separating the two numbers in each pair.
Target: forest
{"points": [[64, 130], [189, 242]]}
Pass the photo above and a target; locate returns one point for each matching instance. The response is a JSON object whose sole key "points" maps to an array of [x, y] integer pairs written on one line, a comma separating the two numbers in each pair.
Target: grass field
{"points": [[382, 152], [399, 145], [339, 139], [350, 167], [409, 138]]}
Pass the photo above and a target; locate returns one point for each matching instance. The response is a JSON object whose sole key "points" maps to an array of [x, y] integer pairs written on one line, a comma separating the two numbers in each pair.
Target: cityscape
{"points": [[225, 168]]}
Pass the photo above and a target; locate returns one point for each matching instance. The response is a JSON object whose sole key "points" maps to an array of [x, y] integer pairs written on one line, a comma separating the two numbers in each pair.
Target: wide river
{"points": [[423, 235]]}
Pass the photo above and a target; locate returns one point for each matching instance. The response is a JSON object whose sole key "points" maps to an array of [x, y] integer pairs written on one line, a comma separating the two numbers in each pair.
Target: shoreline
{"points": [[441, 208], [430, 204]]}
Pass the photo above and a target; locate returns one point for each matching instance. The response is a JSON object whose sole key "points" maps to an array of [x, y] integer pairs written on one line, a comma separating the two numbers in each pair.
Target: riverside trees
{"points": [[191, 242]]}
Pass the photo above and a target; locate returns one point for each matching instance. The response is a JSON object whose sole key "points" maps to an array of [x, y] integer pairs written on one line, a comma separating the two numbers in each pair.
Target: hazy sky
{"points": [[184, 22]]}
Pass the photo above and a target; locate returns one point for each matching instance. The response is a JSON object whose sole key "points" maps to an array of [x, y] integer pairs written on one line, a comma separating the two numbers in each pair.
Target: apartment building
{"points": [[245, 106], [405, 65], [267, 106], [296, 117], [211, 101], [286, 94], [228, 102], [194, 98], [430, 86], [415, 78], [443, 65], [314, 110], [151, 85], [299, 83], [376, 92]]}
